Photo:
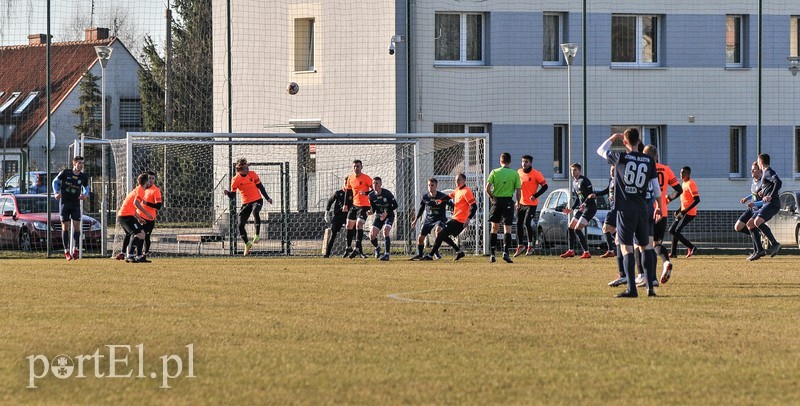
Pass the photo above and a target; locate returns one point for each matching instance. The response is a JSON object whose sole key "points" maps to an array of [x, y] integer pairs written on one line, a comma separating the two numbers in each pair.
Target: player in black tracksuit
{"points": [[339, 218]]}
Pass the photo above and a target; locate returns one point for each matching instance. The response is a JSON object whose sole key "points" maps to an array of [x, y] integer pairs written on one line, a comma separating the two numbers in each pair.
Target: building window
{"points": [[304, 45], [797, 152], [130, 114], [9, 102], [560, 148], [737, 157], [459, 38], [450, 155], [654, 135], [734, 34], [25, 103], [635, 40], [552, 38], [794, 36]]}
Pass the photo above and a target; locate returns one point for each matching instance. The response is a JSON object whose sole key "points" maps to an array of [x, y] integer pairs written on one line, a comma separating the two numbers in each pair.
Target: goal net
{"points": [[300, 173]]}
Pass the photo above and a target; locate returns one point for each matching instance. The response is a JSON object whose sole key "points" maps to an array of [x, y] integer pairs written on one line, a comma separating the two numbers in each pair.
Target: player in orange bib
{"points": [[666, 178], [151, 202], [357, 187], [690, 198], [131, 215], [249, 185], [464, 209], [533, 185]]}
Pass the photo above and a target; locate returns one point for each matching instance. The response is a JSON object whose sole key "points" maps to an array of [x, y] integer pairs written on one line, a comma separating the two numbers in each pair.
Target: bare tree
{"points": [[118, 19]]}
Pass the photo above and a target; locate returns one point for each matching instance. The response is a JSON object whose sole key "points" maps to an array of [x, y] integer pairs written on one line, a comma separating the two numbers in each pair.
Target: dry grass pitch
{"points": [[313, 331]]}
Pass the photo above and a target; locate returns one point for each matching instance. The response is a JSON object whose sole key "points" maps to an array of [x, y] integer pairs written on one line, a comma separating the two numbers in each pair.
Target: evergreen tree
{"points": [[90, 122]]}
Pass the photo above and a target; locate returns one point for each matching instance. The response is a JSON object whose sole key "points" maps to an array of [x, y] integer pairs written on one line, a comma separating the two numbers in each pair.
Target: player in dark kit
{"points": [[70, 187], [383, 205], [635, 172], [339, 218], [770, 187], [464, 209], [434, 205], [587, 208]]}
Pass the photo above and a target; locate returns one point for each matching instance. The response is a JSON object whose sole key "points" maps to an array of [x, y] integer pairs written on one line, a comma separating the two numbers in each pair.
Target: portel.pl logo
{"points": [[114, 365]]}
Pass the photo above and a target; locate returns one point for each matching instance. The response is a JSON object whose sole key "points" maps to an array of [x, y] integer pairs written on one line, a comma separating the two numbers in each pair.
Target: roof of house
{"points": [[23, 70]]}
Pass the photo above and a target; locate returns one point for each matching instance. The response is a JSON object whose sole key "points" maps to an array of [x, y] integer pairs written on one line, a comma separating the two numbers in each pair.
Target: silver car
{"points": [[786, 224], [552, 226]]}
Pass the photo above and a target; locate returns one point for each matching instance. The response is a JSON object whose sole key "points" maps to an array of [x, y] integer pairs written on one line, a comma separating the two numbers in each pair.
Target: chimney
{"points": [[96, 33], [37, 39]]}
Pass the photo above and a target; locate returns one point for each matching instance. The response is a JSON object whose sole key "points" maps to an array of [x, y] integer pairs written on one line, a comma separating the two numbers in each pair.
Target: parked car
{"points": [[23, 223], [37, 182], [552, 226], [786, 224]]}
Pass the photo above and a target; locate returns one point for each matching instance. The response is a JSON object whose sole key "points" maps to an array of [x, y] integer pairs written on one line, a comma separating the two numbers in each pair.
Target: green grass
{"points": [[312, 331]]}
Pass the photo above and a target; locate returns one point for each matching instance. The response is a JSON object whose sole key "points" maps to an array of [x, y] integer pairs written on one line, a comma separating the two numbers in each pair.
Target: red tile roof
{"points": [[23, 69]]}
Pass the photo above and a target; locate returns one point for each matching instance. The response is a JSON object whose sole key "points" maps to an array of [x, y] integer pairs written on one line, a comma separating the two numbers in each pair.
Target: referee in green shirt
{"points": [[502, 186]]}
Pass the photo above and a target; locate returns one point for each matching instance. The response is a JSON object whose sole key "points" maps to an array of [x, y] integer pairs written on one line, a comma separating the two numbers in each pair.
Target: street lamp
{"points": [[569, 50], [794, 64], [103, 55]]}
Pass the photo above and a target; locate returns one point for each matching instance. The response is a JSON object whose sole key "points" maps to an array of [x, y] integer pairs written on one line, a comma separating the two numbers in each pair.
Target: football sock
{"points": [[76, 239], [350, 234], [359, 237], [134, 243], [244, 237], [258, 226], [493, 242], [745, 231], [582, 239], [620, 264], [139, 246], [507, 241], [374, 242], [764, 228], [388, 243], [639, 266], [755, 234], [609, 241], [146, 242], [571, 239], [420, 248], [662, 251], [629, 264], [65, 239], [650, 261], [329, 247]]}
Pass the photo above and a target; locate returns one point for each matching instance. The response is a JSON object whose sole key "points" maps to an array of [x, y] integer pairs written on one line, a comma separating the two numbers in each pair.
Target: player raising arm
{"points": [[249, 185]]}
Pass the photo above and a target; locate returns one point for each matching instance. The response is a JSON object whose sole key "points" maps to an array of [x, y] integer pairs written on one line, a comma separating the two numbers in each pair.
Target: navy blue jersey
{"points": [[383, 202], [633, 173], [337, 201], [770, 184], [71, 186], [582, 187], [435, 207]]}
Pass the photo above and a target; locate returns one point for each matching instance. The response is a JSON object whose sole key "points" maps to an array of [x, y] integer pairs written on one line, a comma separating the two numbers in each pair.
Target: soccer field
{"points": [[313, 331]]}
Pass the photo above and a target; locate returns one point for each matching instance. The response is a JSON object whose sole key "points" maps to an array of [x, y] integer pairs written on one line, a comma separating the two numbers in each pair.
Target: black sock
{"points": [[331, 239], [639, 263], [139, 246], [359, 237], [662, 252], [620, 262], [65, 239], [609, 241], [451, 243], [755, 234], [374, 242], [582, 239], [387, 241], [507, 241], [244, 237], [258, 228], [420, 248], [134, 243], [744, 231], [629, 263], [351, 232], [76, 240], [649, 261], [493, 242], [571, 236], [768, 233]]}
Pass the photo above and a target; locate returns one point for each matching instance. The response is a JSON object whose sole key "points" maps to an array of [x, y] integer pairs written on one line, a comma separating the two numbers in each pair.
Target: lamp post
{"points": [[569, 50], [103, 55]]}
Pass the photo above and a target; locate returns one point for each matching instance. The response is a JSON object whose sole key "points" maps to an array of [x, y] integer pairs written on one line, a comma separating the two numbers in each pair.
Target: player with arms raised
{"points": [[634, 173], [249, 185]]}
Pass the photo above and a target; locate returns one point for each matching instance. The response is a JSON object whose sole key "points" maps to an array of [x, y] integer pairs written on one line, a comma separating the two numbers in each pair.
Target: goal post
{"points": [[300, 172]]}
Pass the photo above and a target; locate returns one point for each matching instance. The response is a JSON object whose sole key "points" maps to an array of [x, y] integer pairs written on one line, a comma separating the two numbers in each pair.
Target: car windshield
{"points": [[36, 204], [602, 202]]}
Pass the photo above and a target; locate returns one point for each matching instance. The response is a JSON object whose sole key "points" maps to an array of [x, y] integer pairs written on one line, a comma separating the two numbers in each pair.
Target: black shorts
{"points": [[430, 225], [338, 221], [129, 224], [502, 209], [748, 214], [379, 224], [453, 228], [633, 225], [587, 213], [250, 208], [357, 212], [768, 210], [611, 218], [69, 211], [660, 229], [148, 226]]}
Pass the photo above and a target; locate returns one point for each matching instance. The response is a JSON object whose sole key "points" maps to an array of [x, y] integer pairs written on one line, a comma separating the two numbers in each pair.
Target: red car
{"points": [[23, 223]]}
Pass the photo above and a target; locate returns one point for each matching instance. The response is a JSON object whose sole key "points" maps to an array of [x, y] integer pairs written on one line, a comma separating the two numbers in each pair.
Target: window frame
{"points": [[794, 36], [737, 157], [560, 163], [559, 40], [11, 99], [639, 42], [739, 23], [125, 123], [305, 55], [796, 151], [463, 40]]}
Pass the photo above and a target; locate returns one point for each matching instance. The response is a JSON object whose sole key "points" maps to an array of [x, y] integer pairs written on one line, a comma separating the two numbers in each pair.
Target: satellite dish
{"points": [[52, 140]]}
